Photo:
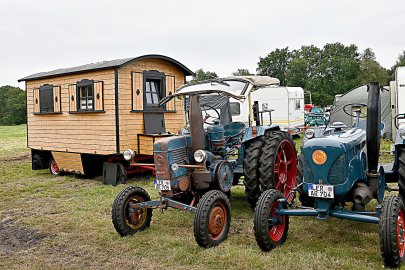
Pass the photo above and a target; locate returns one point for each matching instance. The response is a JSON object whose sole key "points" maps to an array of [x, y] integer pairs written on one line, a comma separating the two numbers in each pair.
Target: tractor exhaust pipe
{"points": [[373, 135], [361, 196], [196, 124]]}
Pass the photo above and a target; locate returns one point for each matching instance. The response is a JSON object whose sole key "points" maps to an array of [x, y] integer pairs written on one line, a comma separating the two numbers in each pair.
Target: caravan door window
{"points": [[153, 91]]}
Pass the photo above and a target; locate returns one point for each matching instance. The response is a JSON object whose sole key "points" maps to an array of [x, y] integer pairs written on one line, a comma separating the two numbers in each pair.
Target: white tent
{"points": [[360, 95]]}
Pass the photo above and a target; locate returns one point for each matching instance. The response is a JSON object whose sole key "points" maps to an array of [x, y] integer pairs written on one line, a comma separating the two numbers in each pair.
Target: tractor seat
{"points": [[233, 129]]}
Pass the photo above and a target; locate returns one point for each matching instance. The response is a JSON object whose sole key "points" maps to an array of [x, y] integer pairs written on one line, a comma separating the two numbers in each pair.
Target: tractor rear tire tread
{"points": [[261, 217], [118, 211], [388, 231], [201, 219], [251, 164], [401, 172]]}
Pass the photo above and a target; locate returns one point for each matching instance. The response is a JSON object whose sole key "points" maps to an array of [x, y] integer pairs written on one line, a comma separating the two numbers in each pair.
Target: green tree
{"points": [[400, 62], [275, 64], [242, 72], [12, 106], [371, 70], [201, 75]]}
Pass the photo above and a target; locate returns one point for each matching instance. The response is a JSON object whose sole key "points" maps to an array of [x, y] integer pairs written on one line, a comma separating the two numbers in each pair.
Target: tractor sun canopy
{"points": [[237, 87]]}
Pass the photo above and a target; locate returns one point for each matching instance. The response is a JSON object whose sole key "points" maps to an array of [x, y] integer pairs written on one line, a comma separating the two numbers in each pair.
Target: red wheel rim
{"points": [[217, 221], [400, 233], [276, 232], [285, 168], [54, 167], [136, 219]]}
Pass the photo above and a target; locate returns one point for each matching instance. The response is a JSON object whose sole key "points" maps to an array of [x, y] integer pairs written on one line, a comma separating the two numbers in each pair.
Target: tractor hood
{"points": [[237, 87]]}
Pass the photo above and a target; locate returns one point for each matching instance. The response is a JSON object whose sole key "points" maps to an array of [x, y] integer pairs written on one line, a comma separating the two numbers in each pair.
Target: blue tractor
{"points": [[340, 171], [196, 169]]}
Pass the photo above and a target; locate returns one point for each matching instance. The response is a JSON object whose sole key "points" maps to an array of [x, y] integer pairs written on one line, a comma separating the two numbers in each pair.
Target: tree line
{"points": [[327, 71]]}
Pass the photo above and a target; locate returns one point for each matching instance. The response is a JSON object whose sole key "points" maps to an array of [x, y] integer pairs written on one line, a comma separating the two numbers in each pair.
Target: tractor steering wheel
{"points": [[208, 116], [360, 106], [398, 117]]}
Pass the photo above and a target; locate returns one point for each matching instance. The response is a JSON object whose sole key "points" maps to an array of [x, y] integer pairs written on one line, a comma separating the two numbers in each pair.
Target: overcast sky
{"points": [[219, 36]]}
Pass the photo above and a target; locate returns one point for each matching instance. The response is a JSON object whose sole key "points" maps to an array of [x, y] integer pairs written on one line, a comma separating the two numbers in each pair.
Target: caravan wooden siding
{"points": [[131, 123], [89, 132]]}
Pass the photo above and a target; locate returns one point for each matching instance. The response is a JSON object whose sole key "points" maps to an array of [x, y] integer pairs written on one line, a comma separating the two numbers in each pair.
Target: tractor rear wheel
{"points": [[278, 163], [392, 231], [270, 231], [251, 163], [401, 172], [304, 198], [129, 219], [212, 219]]}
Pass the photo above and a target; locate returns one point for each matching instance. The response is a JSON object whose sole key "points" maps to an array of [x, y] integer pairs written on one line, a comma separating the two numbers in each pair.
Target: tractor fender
{"points": [[260, 131]]}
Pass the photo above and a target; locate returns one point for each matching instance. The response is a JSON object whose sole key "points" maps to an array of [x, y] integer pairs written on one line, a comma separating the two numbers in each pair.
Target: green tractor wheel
{"points": [[251, 163], [392, 231], [128, 219], [212, 219], [270, 231], [278, 163]]}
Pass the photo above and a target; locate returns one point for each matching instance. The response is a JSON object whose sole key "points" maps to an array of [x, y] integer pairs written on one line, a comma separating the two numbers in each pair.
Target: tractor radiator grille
{"points": [[308, 176], [179, 155], [337, 174]]}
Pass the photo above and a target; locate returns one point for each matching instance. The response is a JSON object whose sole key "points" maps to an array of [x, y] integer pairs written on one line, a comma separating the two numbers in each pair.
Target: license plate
{"points": [[321, 191], [162, 185]]}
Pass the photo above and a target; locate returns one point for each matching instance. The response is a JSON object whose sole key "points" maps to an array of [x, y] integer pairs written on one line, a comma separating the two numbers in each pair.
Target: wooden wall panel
{"points": [[170, 89], [92, 133], [137, 91], [131, 124], [70, 162]]}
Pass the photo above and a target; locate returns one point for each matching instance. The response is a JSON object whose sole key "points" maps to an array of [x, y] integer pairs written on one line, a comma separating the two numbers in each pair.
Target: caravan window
{"points": [[297, 104], [46, 98], [152, 91], [85, 93]]}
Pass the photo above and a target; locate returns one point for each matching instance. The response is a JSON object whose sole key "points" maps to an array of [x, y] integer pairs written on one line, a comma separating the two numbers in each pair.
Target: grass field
{"points": [[64, 222]]}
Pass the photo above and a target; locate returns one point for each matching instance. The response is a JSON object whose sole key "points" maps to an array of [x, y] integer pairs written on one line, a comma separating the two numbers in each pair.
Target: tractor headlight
{"points": [[199, 156], [175, 167], [309, 133], [319, 157], [128, 154], [402, 134]]}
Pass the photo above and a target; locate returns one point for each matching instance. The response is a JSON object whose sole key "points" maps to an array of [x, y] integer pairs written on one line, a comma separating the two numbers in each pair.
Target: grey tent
{"points": [[359, 95]]}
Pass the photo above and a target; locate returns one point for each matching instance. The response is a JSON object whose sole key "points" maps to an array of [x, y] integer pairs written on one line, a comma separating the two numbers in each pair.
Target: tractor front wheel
{"points": [[213, 219], [304, 198], [270, 230], [278, 163], [127, 217], [392, 231]]}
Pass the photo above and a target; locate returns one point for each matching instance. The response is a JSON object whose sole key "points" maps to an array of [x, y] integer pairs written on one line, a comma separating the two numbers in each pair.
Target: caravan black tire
{"points": [[251, 163]]}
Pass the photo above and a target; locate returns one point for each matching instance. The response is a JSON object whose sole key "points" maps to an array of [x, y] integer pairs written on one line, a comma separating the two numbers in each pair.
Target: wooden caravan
{"points": [[80, 117]]}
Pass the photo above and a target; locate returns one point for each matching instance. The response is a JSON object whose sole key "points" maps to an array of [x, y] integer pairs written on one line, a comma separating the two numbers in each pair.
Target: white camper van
{"points": [[397, 88], [286, 103]]}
